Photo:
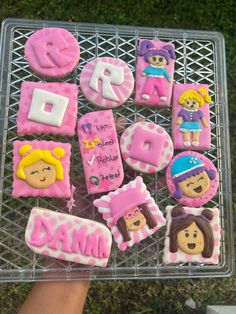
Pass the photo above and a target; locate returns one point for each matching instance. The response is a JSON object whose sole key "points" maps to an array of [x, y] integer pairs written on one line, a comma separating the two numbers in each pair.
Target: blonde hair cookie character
{"points": [[190, 117], [40, 168]]}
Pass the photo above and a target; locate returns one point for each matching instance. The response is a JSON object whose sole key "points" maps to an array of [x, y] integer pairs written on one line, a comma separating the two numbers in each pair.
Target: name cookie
{"points": [[191, 117], [146, 147], [131, 213], [154, 73], [48, 108], [192, 178], [52, 52], [193, 235], [99, 147], [68, 237], [106, 82]]}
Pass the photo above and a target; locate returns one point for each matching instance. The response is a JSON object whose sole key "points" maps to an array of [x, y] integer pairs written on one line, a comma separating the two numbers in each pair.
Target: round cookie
{"points": [[192, 179], [52, 52], [146, 147], [106, 82]]}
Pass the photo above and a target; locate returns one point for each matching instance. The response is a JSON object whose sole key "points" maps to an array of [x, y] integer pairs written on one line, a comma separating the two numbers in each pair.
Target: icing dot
{"points": [[216, 242], [125, 155], [151, 126], [216, 257], [126, 133], [61, 256], [122, 141], [189, 258], [151, 169], [128, 147], [166, 144], [142, 165], [160, 130], [133, 161], [45, 252], [173, 257], [91, 262], [216, 227]]}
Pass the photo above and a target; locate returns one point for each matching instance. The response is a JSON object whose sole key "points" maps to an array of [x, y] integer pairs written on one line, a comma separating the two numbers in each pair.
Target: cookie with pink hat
{"points": [[131, 213], [41, 168], [47, 108], [146, 147], [154, 73], [68, 237], [192, 178], [52, 52], [106, 82], [193, 235]]}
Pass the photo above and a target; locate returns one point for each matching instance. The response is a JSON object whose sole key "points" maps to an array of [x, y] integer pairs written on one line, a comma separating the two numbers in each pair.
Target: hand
{"points": [[143, 74]]}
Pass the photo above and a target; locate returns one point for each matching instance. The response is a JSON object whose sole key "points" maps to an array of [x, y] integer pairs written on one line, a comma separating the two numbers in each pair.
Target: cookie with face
{"points": [[131, 213], [192, 178], [193, 235], [41, 168]]}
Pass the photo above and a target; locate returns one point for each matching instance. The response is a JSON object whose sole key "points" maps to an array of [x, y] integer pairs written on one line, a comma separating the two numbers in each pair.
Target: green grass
{"points": [[143, 296]]}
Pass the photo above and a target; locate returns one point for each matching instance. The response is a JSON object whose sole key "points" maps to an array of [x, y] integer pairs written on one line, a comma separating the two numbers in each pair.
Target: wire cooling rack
{"points": [[200, 58]]}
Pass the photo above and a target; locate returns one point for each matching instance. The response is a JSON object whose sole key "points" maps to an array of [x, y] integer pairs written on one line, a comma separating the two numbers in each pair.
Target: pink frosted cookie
{"points": [[100, 152], [146, 147], [131, 213], [68, 237], [106, 82], [191, 117], [41, 168], [192, 178], [52, 52], [48, 108], [154, 73], [192, 235]]}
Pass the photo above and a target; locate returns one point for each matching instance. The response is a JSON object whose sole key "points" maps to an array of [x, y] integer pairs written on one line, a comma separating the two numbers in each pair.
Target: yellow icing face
{"points": [[134, 220], [196, 186], [40, 175], [191, 240], [157, 60], [191, 104]]}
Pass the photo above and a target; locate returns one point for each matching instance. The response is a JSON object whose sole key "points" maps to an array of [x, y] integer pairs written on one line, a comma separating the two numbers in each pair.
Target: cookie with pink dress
{"points": [[191, 117], [99, 148], [41, 168], [47, 108], [131, 213], [192, 178], [52, 52], [106, 82], [154, 73], [68, 237], [193, 235]]}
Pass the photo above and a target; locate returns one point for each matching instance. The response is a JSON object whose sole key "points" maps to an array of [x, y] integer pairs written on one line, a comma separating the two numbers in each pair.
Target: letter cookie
{"points": [[106, 82], [47, 108], [154, 73], [146, 147], [131, 213], [192, 179], [193, 235], [41, 168], [100, 152], [68, 237], [191, 117], [52, 52]]}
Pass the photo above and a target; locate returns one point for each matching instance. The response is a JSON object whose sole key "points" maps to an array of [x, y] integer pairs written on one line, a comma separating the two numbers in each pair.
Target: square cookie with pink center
{"points": [[193, 235], [47, 108], [41, 168]]}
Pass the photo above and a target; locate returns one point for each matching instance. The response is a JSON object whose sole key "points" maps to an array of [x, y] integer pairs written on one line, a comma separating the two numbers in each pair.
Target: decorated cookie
{"points": [[52, 52], [48, 108], [192, 178], [106, 82], [41, 168], [146, 147], [193, 235], [131, 213], [154, 73], [68, 237], [100, 152], [191, 117]]}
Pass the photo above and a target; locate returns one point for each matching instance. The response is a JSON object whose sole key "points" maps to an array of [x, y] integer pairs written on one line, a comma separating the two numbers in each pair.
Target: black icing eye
{"points": [[154, 58], [186, 234], [160, 59], [194, 235], [201, 178], [193, 102], [187, 102], [188, 184], [33, 172], [48, 168]]}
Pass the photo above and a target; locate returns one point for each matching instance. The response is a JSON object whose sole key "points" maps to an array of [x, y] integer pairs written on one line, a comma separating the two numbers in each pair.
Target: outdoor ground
{"points": [[215, 15]]}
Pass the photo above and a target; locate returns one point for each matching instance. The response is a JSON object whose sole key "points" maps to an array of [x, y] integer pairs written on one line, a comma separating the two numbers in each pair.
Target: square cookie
{"points": [[193, 235], [41, 168], [47, 108]]}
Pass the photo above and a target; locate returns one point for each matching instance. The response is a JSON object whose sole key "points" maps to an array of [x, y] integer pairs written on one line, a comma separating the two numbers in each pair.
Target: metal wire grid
{"points": [[198, 60]]}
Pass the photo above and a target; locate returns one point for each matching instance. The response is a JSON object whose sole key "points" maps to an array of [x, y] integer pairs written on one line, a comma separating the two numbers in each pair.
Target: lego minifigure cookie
{"points": [[191, 117], [192, 178], [146, 147], [154, 73], [192, 235], [131, 213], [41, 168]]}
